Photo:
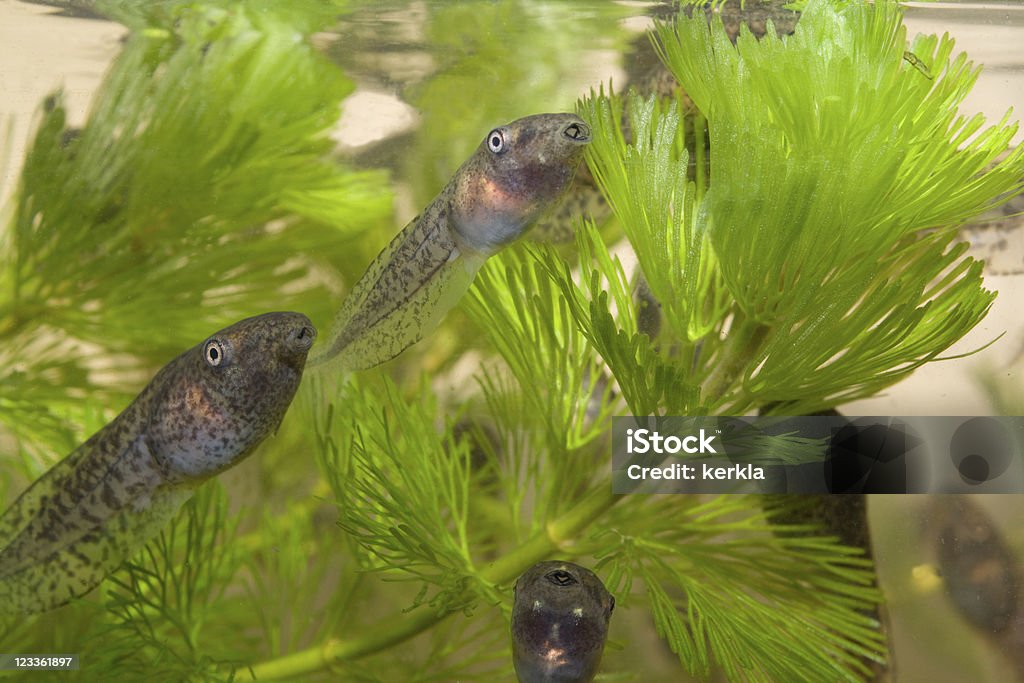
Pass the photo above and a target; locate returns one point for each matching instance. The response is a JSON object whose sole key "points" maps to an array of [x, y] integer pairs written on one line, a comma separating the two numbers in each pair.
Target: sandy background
{"points": [[40, 52]]}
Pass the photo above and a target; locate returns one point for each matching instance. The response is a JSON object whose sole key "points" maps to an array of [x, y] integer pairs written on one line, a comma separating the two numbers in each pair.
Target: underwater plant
{"points": [[184, 201], [815, 264], [197, 194]]}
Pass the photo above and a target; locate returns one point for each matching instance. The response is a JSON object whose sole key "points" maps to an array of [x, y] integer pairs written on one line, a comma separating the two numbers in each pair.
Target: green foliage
{"points": [[654, 202], [819, 266], [198, 191], [410, 514], [708, 562], [805, 273], [517, 294], [419, 512], [168, 606], [649, 384]]}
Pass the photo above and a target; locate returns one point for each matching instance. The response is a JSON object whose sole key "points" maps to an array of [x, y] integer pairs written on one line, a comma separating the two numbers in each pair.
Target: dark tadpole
{"points": [[559, 623], [982, 576]]}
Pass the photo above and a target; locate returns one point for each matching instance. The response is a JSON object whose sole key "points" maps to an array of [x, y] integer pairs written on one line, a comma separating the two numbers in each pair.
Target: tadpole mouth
{"points": [[577, 132]]}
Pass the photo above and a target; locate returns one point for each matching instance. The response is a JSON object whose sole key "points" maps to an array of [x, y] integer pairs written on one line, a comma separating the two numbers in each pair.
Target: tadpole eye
{"points": [[214, 353], [496, 141], [577, 131]]}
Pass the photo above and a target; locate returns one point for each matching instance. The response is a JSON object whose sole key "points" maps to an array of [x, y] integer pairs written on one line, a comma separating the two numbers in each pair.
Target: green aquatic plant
{"points": [[807, 248], [887, 277], [460, 517], [821, 263], [197, 193], [171, 597]]}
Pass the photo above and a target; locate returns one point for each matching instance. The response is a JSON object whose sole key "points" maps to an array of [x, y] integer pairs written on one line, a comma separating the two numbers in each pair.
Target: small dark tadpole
{"points": [[559, 623], [979, 570]]}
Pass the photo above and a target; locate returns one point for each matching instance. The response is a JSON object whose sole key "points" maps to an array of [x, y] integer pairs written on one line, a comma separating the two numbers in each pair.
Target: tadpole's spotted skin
{"points": [[202, 413], [516, 174], [559, 623]]}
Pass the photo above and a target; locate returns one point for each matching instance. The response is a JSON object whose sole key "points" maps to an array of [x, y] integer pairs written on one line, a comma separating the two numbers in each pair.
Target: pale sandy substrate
{"points": [[38, 54]]}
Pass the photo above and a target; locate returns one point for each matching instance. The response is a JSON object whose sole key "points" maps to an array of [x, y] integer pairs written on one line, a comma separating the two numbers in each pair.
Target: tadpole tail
{"points": [[79, 521], [403, 296], [78, 567]]}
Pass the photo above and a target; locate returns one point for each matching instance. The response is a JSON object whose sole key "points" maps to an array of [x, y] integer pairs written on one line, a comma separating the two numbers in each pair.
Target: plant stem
{"points": [[744, 339], [400, 627]]}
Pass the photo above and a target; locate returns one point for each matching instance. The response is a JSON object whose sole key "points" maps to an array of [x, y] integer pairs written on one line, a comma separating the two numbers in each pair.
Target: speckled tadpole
{"points": [[204, 412], [515, 175], [559, 623]]}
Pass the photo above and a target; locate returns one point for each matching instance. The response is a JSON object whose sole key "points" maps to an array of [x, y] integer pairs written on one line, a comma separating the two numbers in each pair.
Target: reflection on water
{"points": [[433, 77]]}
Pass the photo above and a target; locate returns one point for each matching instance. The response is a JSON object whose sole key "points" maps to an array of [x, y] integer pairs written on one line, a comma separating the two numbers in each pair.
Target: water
{"points": [[414, 64]]}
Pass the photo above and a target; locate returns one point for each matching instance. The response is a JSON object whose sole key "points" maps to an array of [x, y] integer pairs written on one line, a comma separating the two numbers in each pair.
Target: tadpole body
{"points": [[202, 413], [559, 623], [514, 177]]}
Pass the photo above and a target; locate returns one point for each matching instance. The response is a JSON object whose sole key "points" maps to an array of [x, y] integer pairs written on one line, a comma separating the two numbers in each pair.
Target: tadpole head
{"points": [[216, 402], [516, 175]]}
